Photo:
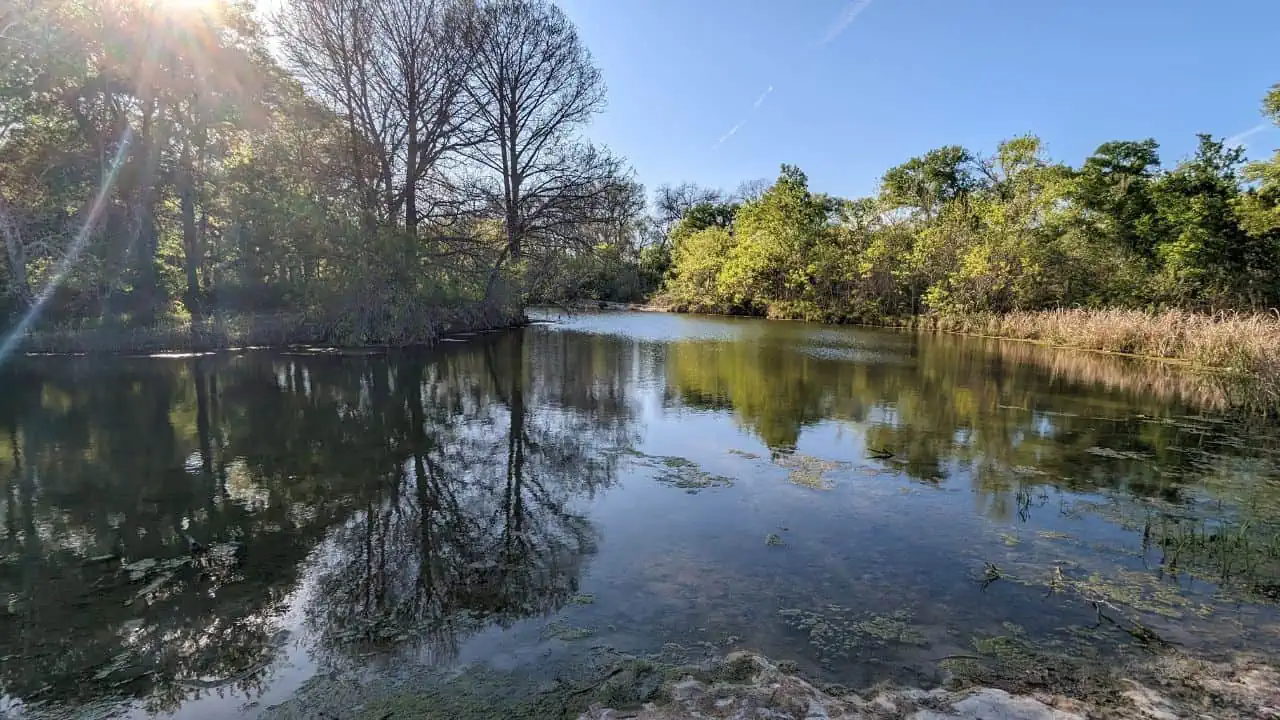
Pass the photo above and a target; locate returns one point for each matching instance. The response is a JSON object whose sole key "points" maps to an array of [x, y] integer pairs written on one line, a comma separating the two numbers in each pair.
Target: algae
{"points": [[807, 471], [838, 632], [679, 472], [561, 630]]}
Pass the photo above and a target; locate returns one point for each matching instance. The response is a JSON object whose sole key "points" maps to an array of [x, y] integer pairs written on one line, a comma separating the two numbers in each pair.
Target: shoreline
{"points": [[281, 331], [744, 684], [964, 326]]}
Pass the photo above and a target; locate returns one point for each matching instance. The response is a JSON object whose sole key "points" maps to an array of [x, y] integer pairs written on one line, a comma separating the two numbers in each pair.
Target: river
{"points": [[204, 537]]}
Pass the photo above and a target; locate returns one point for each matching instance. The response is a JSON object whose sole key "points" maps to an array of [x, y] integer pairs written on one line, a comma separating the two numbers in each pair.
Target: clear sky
{"points": [[860, 86]]}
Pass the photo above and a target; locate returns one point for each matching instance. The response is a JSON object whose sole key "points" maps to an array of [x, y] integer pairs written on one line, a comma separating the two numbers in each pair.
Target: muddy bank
{"points": [[745, 685]]}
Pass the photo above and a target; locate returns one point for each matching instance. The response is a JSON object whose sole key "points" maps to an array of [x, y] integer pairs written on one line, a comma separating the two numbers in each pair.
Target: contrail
{"points": [[760, 100], [837, 28], [732, 131], [842, 23], [1238, 140], [738, 126]]}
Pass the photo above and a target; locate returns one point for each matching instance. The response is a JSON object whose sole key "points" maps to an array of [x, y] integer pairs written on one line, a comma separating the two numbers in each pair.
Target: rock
{"points": [[750, 687], [992, 704]]}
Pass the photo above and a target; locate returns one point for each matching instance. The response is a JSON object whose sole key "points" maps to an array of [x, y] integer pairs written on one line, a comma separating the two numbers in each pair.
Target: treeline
{"points": [[954, 232], [354, 164]]}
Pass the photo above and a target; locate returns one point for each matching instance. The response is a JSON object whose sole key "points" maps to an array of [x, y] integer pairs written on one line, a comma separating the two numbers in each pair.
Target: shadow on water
{"points": [[862, 503]]}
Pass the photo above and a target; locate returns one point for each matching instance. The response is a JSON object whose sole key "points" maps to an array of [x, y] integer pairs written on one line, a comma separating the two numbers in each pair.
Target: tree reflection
{"points": [[478, 526], [435, 493], [952, 407]]}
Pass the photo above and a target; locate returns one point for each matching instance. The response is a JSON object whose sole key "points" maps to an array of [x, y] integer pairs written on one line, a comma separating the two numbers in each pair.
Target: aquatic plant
{"points": [[836, 631]]}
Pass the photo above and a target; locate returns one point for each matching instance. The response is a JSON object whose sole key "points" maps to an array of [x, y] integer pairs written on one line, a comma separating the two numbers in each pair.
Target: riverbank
{"points": [[426, 326], [1239, 342], [1243, 345], [748, 685]]}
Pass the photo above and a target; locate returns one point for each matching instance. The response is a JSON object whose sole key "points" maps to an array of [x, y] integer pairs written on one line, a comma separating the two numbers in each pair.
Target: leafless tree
{"points": [[671, 202], [394, 70], [534, 86], [751, 190]]}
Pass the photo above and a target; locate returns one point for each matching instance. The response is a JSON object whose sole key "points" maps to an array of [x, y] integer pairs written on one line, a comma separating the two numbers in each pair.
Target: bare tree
{"points": [[533, 86], [751, 190], [671, 202], [394, 70]]}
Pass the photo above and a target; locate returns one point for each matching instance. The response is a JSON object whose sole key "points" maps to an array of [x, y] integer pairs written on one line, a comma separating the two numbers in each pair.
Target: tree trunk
{"points": [[16, 254], [411, 164], [190, 235], [146, 243]]}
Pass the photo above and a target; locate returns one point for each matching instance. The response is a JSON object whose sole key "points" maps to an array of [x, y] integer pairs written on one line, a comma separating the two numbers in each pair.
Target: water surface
{"points": [[197, 537]]}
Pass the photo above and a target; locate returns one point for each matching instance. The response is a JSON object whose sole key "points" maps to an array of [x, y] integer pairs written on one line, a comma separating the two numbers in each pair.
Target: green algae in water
{"points": [[773, 540], [837, 632], [680, 472], [807, 471], [1017, 662], [561, 630]]}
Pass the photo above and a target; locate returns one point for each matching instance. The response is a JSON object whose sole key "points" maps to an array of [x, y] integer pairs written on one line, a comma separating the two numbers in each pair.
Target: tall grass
{"points": [[1244, 344]]}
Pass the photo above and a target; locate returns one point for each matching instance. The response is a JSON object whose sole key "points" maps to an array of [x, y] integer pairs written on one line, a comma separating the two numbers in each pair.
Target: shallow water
{"points": [[197, 537]]}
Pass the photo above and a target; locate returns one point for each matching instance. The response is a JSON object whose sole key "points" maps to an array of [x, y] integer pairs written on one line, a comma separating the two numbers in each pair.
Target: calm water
{"points": [[199, 536]]}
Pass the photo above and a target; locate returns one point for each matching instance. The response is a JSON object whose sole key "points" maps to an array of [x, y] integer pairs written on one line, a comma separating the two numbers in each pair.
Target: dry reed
{"points": [[1247, 345]]}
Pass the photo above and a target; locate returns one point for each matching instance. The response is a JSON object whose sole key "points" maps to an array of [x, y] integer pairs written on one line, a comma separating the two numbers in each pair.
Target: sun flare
{"points": [[187, 7]]}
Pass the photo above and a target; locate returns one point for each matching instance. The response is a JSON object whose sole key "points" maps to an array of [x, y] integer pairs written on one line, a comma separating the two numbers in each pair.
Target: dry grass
{"points": [[1238, 342], [1247, 345]]}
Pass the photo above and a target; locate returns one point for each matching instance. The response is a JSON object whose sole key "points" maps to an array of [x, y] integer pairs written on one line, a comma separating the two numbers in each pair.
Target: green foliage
{"points": [[953, 233], [164, 157], [695, 270]]}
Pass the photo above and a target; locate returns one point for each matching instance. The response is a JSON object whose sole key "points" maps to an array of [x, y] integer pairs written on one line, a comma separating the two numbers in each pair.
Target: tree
{"points": [[1259, 208], [534, 86], [1205, 256], [925, 184], [776, 237], [1113, 192], [672, 202], [394, 71]]}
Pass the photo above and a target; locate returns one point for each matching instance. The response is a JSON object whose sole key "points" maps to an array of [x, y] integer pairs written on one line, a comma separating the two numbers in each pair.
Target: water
{"points": [[199, 536]]}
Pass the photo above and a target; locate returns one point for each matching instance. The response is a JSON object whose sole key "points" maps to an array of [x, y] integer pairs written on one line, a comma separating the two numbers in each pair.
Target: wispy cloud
{"points": [[1240, 138], [842, 23]]}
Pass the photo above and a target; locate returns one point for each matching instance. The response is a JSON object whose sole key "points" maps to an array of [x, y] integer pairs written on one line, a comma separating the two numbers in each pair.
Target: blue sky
{"points": [[860, 86]]}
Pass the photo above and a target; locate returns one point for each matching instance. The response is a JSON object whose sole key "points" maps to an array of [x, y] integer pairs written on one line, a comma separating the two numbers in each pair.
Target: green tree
{"points": [[769, 267], [1206, 257]]}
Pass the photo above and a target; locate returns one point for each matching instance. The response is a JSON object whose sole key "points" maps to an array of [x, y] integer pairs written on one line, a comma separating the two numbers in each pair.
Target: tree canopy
{"points": [[349, 162], [954, 231]]}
